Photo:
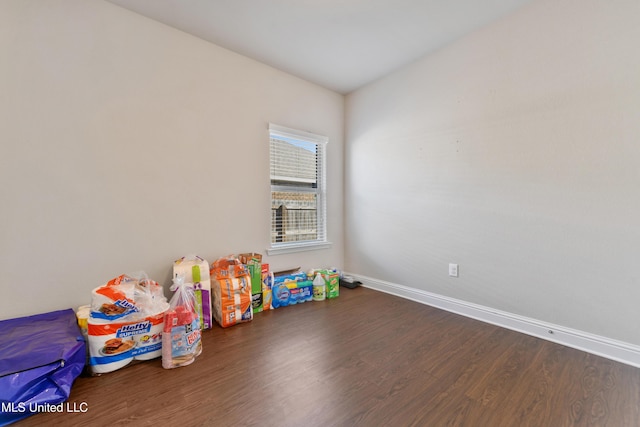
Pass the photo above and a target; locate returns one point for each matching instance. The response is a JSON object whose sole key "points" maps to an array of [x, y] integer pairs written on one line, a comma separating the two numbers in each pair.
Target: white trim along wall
{"points": [[594, 344]]}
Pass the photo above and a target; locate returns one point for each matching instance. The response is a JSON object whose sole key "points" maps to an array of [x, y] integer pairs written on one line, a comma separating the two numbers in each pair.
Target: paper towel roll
{"points": [[109, 348], [149, 342], [110, 367]]}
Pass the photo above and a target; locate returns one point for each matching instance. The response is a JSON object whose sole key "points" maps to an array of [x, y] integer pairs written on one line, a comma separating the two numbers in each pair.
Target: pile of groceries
{"points": [[130, 319]]}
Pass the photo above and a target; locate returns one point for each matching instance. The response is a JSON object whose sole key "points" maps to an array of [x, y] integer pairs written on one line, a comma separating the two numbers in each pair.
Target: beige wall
{"points": [[127, 144], [515, 153]]}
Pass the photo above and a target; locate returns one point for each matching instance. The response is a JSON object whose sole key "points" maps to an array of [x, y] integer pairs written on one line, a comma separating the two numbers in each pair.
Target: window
{"points": [[298, 200]]}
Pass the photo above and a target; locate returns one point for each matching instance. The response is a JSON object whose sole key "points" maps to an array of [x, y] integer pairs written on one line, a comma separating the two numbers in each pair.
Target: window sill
{"points": [[300, 247]]}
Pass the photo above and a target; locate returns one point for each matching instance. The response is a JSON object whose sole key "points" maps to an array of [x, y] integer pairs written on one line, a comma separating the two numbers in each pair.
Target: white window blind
{"points": [[298, 197]]}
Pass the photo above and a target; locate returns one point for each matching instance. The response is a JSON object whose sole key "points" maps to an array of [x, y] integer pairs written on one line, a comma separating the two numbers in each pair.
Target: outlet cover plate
{"points": [[453, 270]]}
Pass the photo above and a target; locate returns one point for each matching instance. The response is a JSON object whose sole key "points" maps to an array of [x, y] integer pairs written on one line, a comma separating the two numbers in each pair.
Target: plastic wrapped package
{"points": [[291, 289], [196, 270], [125, 323], [231, 292], [181, 337]]}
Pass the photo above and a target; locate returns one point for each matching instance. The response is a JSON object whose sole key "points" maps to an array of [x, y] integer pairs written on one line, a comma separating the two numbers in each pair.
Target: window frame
{"points": [[321, 142]]}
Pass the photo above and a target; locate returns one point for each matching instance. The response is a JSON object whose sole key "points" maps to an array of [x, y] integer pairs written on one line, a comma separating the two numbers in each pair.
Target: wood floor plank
{"points": [[502, 377], [539, 387], [364, 359]]}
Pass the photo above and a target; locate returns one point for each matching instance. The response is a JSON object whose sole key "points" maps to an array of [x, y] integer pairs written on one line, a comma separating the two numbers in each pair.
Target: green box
{"points": [[332, 281], [253, 261]]}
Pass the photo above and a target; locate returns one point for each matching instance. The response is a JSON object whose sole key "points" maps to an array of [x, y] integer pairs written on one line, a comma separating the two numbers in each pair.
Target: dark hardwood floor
{"points": [[364, 359]]}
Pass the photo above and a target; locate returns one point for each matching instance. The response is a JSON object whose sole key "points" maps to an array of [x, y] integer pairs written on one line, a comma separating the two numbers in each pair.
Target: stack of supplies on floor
{"points": [[126, 322], [231, 292]]}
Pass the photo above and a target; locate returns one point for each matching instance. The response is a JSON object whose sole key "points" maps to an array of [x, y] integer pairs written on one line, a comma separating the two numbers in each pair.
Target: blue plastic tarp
{"points": [[40, 358]]}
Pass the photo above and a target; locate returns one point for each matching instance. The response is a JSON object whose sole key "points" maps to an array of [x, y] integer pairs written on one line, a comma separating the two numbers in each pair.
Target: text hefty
{"points": [[125, 329]]}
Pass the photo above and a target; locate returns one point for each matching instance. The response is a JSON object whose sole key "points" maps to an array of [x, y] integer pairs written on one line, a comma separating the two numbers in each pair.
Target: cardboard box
{"points": [[253, 261], [332, 280]]}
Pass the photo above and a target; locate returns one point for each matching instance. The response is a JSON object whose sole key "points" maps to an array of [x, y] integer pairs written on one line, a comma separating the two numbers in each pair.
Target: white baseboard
{"points": [[601, 346]]}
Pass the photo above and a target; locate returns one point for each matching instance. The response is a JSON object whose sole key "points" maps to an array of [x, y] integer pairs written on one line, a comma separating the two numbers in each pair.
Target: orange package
{"points": [[230, 292]]}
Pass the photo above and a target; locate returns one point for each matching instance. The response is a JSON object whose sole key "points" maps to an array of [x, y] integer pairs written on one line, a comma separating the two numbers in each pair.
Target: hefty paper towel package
{"points": [[125, 322], [196, 270], [113, 345], [231, 292]]}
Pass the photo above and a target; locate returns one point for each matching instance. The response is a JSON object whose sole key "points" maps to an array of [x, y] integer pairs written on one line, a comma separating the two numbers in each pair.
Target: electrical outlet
{"points": [[453, 270]]}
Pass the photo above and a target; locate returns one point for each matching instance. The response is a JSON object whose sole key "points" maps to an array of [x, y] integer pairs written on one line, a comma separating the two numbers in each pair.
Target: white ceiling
{"points": [[339, 44]]}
